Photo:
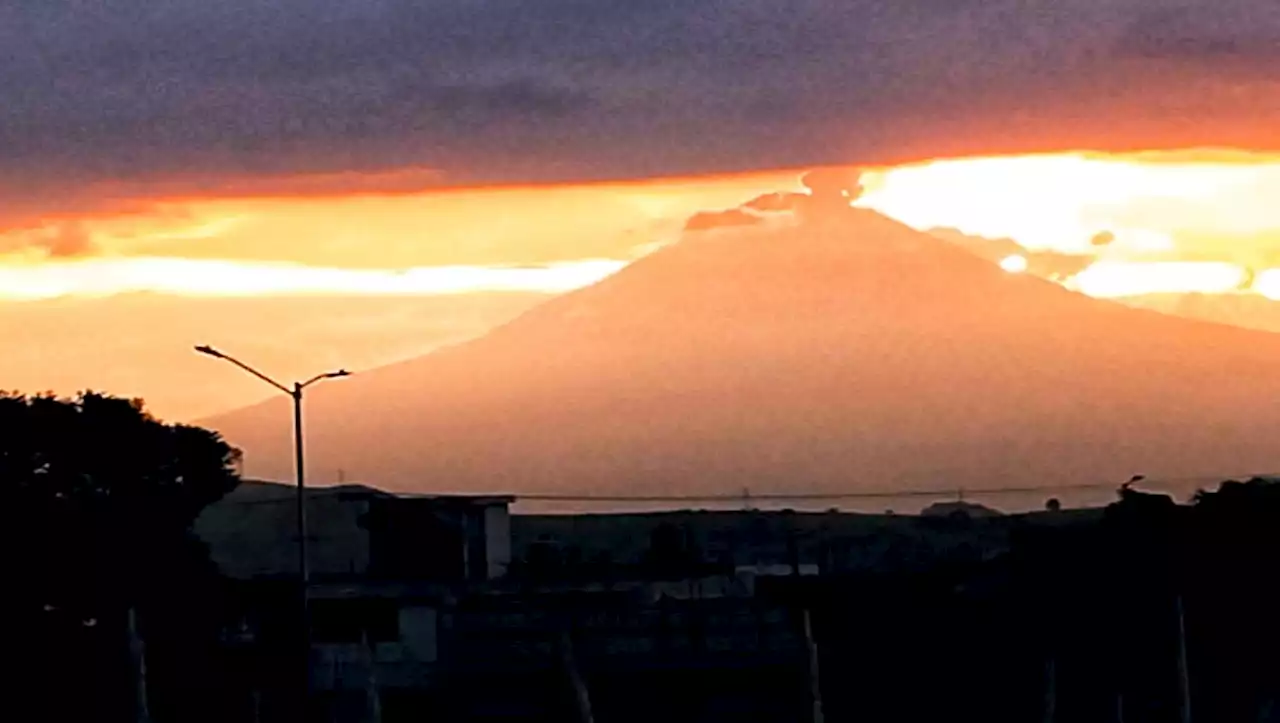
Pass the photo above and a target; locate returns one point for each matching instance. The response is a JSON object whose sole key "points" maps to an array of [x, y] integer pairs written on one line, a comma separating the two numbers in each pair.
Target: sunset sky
{"points": [[352, 183]]}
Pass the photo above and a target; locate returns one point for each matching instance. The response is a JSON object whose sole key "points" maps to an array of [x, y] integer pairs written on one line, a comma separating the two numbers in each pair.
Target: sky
{"points": [[108, 104], [307, 172]]}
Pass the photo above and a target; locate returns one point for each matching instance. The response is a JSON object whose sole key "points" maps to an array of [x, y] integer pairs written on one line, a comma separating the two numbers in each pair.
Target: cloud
{"points": [[152, 95], [59, 240], [829, 193], [842, 183], [68, 239], [711, 220], [1046, 264], [104, 277], [776, 202], [1055, 265], [1214, 33]]}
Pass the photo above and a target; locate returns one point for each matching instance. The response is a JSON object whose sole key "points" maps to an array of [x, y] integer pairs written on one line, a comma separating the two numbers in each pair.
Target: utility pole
{"points": [[1050, 690], [372, 695], [1184, 674], [581, 695], [137, 652], [304, 569], [304, 572], [815, 681]]}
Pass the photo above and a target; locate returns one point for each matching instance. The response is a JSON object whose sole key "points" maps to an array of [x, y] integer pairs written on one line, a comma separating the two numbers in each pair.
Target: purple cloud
{"points": [[488, 91]]}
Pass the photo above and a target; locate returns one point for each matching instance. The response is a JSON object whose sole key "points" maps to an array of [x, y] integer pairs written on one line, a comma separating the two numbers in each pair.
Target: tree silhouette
{"points": [[98, 498], [1235, 542]]}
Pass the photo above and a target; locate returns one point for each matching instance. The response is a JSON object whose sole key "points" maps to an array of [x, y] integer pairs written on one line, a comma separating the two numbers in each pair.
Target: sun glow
{"points": [[1109, 279], [1152, 223], [1014, 264], [1060, 202], [1268, 284]]}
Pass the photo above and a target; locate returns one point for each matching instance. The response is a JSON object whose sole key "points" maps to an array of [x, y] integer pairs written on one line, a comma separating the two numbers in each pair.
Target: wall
{"points": [[497, 526], [419, 632], [406, 662], [252, 532]]}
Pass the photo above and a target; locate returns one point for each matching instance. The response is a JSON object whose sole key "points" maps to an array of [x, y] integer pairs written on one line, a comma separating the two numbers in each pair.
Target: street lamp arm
{"points": [[260, 375], [326, 375], [210, 351]]}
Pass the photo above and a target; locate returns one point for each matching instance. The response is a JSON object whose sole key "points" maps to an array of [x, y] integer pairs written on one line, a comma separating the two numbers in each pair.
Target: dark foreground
{"points": [[1147, 611]]}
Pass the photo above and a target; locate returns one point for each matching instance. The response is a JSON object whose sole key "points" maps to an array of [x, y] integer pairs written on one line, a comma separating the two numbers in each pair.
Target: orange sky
{"points": [[1199, 222]]}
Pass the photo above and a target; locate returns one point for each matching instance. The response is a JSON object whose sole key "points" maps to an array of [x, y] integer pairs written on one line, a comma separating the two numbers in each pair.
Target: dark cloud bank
{"points": [[194, 94]]}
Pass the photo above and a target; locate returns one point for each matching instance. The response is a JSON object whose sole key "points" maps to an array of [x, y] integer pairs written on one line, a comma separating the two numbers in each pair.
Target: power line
{"points": [[791, 496], [882, 494]]}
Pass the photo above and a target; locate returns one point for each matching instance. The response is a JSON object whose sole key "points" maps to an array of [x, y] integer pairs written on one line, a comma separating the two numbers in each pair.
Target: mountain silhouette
{"points": [[839, 352]]}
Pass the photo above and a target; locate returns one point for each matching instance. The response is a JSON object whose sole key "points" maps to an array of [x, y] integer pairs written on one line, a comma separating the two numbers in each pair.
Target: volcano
{"points": [[829, 352]]}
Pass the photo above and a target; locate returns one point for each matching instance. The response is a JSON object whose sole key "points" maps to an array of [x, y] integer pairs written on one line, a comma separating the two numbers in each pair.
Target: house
{"points": [[382, 567], [357, 532]]}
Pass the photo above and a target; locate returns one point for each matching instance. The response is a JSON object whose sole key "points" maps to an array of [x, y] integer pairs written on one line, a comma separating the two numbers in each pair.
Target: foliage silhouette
{"points": [[98, 500]]}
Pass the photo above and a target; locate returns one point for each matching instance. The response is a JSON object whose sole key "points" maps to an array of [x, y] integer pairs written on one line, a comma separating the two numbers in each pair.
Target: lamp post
{"points": [[304, 574]]}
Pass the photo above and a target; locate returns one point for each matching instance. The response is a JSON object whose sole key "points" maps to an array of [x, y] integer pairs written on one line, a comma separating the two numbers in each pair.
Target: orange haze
{"points": [[1200, 221]]}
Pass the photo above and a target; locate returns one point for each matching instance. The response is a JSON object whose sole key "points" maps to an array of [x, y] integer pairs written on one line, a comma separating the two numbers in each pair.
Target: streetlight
{"points": [[295, 392]]}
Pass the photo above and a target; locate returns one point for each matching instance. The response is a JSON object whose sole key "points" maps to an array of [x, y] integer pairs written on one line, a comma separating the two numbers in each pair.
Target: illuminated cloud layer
{"points": [[192, 277], [1111, 226], [1143, 204], [108, 103], [1118, 278]]}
